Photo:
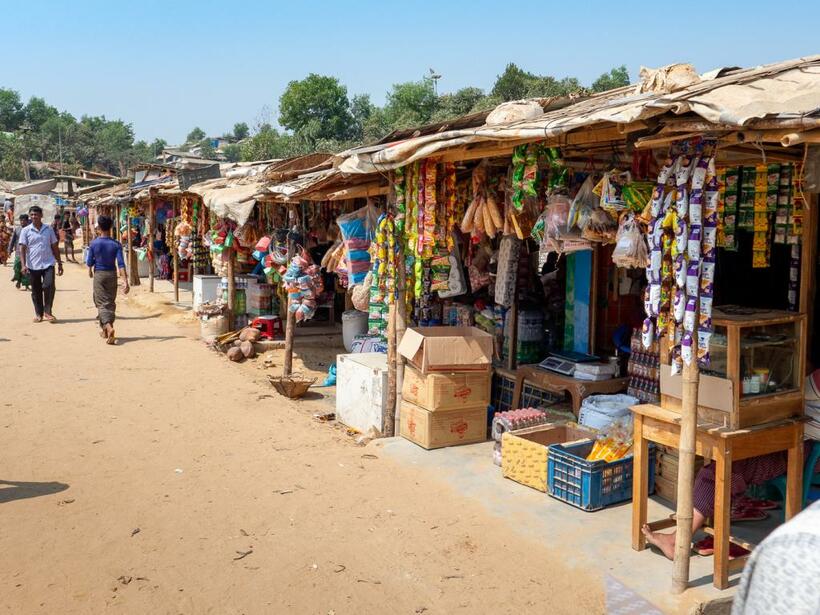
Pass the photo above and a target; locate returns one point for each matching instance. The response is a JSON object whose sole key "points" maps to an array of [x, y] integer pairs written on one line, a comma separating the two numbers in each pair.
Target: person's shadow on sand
{"points": [[14, 490]]}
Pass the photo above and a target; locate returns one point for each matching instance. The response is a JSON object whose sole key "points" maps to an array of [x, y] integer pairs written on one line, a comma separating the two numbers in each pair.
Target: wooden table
{"points": [[655, 424], [558, 383]]}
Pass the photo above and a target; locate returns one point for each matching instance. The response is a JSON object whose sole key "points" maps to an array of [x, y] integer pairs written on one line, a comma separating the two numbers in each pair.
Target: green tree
{"points": [[206, 150], [232, 152], [615, 78], [267, 144], [411, 103], [317, 106], [195, 136], [461, 102], [11, 110], [37, 112], [512, 84], [157, 145], [240, 131], [361, 109], [11, 157]]}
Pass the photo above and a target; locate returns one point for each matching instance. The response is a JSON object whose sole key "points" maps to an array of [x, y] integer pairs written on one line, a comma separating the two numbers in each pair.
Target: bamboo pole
{"points": [[389, 418], [686, 477], [151, 245], [175, 254], [133, 265], [401, 327], [231, 288], [290, 320]]}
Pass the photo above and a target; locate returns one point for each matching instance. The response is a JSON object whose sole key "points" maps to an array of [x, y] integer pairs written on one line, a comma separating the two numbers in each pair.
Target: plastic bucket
{"points": [[354, 323]]}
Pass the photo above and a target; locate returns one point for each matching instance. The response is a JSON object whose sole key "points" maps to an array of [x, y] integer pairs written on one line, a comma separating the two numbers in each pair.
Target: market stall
{"points": [[676, 197]]}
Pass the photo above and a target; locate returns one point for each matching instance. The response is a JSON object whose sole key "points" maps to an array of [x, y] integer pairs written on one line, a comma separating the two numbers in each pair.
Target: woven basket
{"points": [[293, 386]]}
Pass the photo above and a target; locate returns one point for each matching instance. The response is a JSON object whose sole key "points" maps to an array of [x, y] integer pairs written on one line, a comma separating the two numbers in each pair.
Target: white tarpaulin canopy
{"points": [[786, 89], [232, 199]]}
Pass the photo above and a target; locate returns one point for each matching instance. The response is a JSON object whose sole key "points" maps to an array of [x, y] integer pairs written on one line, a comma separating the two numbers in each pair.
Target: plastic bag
{"points": [[584, 203], [630, 247]]}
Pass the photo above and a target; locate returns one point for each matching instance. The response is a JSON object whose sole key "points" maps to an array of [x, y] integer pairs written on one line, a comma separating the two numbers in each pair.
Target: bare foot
{"points": [[664, 542]]}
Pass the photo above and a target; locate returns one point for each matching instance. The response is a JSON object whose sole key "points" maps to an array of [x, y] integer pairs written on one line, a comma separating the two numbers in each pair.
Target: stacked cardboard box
{"points": [[666, 472], [446, 386]]}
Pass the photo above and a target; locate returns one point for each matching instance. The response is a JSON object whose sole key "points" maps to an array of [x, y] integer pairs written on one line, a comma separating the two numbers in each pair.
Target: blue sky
{"points": [[168, 66]]}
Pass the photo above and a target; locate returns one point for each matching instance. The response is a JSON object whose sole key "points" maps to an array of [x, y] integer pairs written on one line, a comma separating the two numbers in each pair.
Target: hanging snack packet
{"points": [[692, 279], [679, 270], [679, 305], [689, 315], [686, 350], [647, 333], [693, 246]]}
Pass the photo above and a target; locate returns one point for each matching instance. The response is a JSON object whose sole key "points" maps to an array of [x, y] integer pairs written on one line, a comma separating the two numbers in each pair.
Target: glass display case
{"points": [[756, 368]]}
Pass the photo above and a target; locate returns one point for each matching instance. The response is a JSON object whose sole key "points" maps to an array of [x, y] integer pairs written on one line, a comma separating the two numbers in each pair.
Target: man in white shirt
{"points": [[38, 253]]}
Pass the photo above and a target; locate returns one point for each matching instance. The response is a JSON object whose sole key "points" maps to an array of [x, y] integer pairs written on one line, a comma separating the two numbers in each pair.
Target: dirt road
{"points": [[154, 477]]}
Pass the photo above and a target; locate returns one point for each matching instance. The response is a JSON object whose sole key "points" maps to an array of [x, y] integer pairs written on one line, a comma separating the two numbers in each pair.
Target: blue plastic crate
{"points": [[591, 485]]}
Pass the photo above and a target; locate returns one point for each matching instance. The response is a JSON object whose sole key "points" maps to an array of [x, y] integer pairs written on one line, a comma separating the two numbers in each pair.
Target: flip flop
{"points": [[747, 513], [50, 318], [38, 319], [706, 547], [759, 504]]}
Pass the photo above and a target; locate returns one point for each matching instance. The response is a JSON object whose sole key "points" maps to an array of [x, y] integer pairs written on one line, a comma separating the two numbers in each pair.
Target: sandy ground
{"points": [[156, 477]]}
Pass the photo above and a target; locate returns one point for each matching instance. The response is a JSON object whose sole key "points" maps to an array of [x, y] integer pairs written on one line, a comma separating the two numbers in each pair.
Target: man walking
{"points": [[103, 259], [38, 254]]}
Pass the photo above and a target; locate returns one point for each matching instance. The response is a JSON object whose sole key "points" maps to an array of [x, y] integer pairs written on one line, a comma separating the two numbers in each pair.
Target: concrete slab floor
{"points": [[595, 540]]}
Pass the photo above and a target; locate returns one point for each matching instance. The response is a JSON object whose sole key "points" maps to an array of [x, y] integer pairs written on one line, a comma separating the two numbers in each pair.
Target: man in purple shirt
{"points": [[103, 259], [38, 255]]}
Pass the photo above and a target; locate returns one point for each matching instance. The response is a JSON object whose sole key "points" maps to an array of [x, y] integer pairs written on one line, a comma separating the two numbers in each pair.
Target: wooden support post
{"points": [[175, 254], [151, 245], [722, 519], [794, 477], [640, 483], [290, 321], [231, 288], [131, 261], [389, 418], [686, 477], [401, 327]]}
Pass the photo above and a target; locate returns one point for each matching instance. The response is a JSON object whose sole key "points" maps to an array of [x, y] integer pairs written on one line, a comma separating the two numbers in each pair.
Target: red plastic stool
{"points": [[270, 326]]}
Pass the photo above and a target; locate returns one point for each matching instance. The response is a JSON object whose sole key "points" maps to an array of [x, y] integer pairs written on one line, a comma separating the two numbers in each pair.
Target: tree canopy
{"points": [[195, 136], [315, 114], [316, 108]]}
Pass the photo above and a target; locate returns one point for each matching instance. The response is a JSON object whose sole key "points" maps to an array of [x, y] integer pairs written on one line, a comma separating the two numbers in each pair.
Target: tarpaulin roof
{"points": [[732, 97], [231, 198]]}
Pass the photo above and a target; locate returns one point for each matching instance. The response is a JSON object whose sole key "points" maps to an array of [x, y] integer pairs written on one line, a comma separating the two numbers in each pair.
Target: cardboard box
{"points": [[445, 391], [524, 453], [443, 428], [447, 349]]}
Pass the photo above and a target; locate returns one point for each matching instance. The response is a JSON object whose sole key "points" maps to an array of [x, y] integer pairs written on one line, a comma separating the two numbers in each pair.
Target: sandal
{"points": [[706, 547], [743, 512], [38, 319], [759, 504], [49, 318]]}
